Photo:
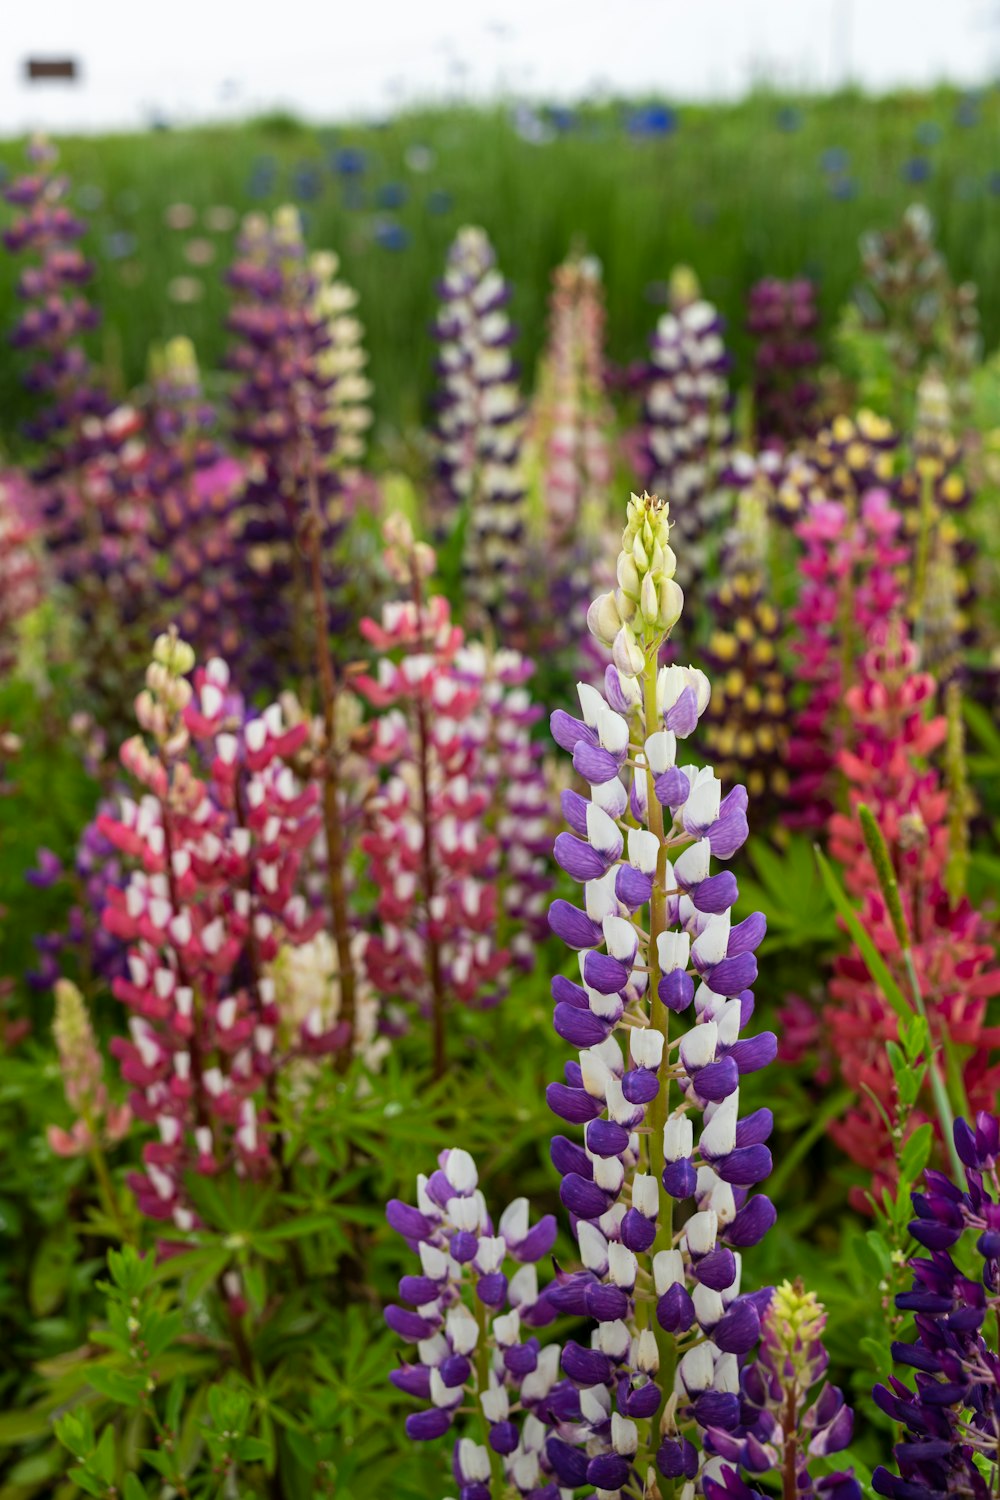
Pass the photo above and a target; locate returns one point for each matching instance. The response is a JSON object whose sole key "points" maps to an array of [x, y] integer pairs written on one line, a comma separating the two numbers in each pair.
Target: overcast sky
{"points": [[328, 59]]}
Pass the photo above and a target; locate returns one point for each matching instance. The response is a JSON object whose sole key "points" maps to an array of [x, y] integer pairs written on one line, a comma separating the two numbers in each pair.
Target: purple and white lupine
{"points": [[789, 1417], [659, 1191], [479, 421], [951, 1418], [472, 1325], [687, 416]]}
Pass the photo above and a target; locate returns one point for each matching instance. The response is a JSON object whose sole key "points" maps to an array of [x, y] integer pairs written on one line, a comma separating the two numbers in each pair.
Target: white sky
{"points": [[331, 59]]}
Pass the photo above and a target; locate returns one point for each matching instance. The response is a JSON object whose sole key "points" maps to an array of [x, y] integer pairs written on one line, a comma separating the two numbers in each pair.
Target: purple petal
{"points": [[594, 763], [744, 1166], [754, 1052], [752, 1222], [672, 788], [682, 716], [573, 926], [537, 1242], [605, 1138], [567, 731], [632, 888], [640, 1086], [577, 858], [680, 1178], [605, 974], [567, 1156], [747, 935], [424, 1426], [715, 894], [585, 1366], [676, 990], [407, 1221], [717, 1080], [732, 974], [675, 1310], [638, 1233], [730, 830], [738, 1329], [573, 1105], [583, 1198], [409, 1325], [581, 1028]]}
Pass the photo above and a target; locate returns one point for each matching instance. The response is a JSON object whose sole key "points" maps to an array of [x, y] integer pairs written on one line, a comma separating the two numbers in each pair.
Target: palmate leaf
{"points": [[790, 893]]}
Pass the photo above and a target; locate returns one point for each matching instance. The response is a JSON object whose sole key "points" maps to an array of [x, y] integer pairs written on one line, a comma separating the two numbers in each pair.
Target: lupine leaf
{"points": [[877, 967]]}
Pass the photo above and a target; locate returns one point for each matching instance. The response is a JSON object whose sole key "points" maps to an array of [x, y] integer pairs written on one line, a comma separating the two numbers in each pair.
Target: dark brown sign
{"points": [[42, 68]]}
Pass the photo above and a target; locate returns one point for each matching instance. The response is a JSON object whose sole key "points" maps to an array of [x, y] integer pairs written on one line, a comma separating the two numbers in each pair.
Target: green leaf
{"points": [[132, 1489], [877, 966], [915, 1154]]}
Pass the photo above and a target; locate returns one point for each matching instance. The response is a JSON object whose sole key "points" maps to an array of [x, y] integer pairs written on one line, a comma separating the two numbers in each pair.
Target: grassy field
{"points": [[769, 185]]}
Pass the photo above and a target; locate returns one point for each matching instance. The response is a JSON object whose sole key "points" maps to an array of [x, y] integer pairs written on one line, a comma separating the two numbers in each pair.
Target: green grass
{"points": [[729, 192]]}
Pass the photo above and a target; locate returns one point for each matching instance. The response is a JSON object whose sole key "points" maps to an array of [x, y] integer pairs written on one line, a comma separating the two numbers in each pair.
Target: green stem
{"points": [[939, 1092], [659, 1017], [106, 1191], [497, 1480]]}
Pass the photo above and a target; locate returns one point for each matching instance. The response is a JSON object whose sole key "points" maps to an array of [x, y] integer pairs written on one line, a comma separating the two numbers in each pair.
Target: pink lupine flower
{"points": [[218, 836]]}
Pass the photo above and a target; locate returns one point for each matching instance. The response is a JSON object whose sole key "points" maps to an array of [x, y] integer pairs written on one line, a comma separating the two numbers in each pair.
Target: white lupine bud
{"points": [[704, 800], [701, 1231], [668, 1270], [698, 1045], [723, 1202], [661, 751], [610, 1053], [543, 1377], [697, 1368], [433, 1262], [718, 1137], [646, 1046], [495, 1403], [523, 1288], [621, 938], [727, 1374], [612, 730], [593, 1247], [612, 1339], [620, 1109], [678, 1138], [649, 602], [628, 655], [611, 797], [462, 1329], [444, 1395], [608, 1007], [733, 1289], [473, 1461], [708, 1305], [628, 575], [507, 1328], [645, 1194], [591, 703], [670, 603], [643, 850], [673, 950], [610, 1223], [490, 1254], [693, 866], [596, 1073], [600, 898], [463, 1213], [524, 1471], [729, 1017], [603, 834], [624, 1434], [514, 1221], [595, 1405], [630, 689], [622, 1265], [646, 1357], [603, 619], [609, 1174]]}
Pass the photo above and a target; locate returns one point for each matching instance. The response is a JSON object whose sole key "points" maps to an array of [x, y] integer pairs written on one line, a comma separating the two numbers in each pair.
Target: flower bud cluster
{"points": [[687, 417], [479, 421], [648, 601], [472, 1320], [217, 838], [98, 1121]]}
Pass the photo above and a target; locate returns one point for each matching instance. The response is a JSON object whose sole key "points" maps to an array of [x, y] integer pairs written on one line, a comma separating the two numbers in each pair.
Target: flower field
{"points": [[499, 800]]}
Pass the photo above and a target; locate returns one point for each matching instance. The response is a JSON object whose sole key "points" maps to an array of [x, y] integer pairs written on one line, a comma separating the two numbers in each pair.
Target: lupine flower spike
{"points": [[951, 1414], [473, 1329], [788, 1421], [659, 1102], [688, 425], [479, 422], [218, 837], [782, 316], [98, 1121]]}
